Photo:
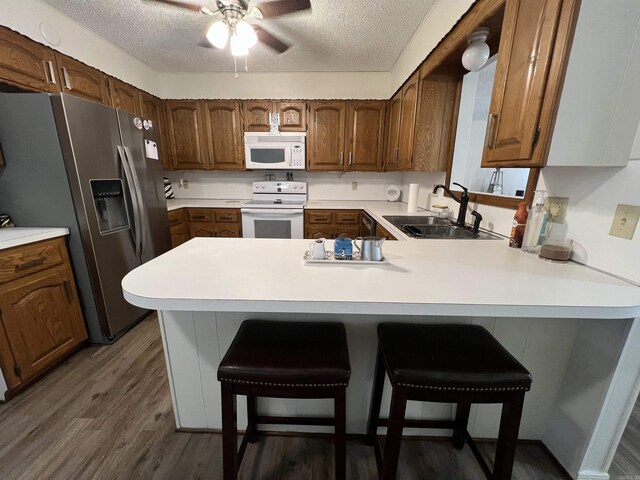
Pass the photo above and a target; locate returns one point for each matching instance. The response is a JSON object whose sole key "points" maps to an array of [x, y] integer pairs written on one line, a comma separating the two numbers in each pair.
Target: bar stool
{"points": [[460, 364], [283, 360]]}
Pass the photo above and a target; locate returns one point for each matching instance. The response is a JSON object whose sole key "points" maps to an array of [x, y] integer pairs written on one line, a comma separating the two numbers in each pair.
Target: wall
{"points": [[322, 186], [25, 16]]}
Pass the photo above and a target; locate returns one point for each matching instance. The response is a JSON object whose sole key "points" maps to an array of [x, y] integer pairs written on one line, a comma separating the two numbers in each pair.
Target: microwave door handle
{"points": [[270, 211]]}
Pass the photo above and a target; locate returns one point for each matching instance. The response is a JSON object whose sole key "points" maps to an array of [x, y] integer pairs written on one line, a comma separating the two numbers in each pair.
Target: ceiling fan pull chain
{"points": [[235, 65]]}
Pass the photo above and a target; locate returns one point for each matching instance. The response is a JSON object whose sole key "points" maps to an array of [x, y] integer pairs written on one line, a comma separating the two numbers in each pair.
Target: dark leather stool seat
{"points": [[284, 360], [461, 364]]}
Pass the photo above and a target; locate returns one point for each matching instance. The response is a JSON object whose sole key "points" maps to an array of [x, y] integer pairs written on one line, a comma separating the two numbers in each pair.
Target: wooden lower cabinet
{"points": [[201, 230], [179, 234], [188, 223], [384, 233], [40, 317], [331, 223]]}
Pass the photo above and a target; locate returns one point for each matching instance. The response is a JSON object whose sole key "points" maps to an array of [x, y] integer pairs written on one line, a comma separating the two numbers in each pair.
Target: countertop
{"points": [[175, 203], [14, 237], [423, 277]]}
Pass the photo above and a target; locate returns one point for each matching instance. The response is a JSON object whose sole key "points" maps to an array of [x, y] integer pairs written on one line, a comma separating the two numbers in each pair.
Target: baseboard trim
{"points": [[590, 475]]}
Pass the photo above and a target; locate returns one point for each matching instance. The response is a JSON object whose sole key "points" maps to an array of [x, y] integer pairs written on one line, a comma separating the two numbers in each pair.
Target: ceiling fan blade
{"points": [[187, 6], [277, 8], [204, 43], [270, 40]]}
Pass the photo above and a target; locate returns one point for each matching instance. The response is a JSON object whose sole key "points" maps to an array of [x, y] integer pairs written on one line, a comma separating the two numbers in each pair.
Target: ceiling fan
{"points": [[232, 25]]}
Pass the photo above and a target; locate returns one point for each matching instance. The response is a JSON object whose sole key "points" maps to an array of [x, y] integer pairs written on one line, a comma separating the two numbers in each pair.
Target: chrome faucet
{"points": [[463, 201]]}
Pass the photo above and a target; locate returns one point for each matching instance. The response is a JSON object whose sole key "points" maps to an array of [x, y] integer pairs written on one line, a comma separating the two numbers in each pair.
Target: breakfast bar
{"points": [[575, 329]]}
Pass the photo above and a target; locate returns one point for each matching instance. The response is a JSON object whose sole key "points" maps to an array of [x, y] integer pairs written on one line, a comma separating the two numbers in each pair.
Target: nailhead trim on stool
{"points": [[454, 363]]}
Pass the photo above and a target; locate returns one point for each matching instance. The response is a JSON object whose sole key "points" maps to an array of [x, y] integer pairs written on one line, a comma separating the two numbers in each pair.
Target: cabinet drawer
{"points": [[176, 217], [201, 230], [227, 215], [200, 215], [21, 261], [347, 218], [319, 217]]}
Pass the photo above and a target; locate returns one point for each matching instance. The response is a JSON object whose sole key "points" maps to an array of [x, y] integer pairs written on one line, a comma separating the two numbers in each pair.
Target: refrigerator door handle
{"points": [[141, 211], [137, 224]]}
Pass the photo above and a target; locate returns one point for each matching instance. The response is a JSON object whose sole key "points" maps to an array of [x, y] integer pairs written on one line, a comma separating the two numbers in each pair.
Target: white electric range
{"points": [[276, 211]]}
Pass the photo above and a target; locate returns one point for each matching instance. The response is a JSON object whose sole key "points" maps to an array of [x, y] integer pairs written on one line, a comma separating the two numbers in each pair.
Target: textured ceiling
{"points": [[346, 35]]}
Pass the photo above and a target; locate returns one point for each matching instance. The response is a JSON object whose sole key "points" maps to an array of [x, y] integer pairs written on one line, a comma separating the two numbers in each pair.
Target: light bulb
{"points": [[246, 34], [218, 34], [477, 52], [238, 48]]}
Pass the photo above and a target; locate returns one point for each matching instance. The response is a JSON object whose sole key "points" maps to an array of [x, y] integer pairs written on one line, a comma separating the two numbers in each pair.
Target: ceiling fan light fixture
{"points": [[238, 47], [246, 34], [477, 52], [218, 34]]}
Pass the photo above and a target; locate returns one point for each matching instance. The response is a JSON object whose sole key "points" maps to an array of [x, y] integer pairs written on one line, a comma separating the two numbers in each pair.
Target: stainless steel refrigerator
{"points": [[78, 164]]}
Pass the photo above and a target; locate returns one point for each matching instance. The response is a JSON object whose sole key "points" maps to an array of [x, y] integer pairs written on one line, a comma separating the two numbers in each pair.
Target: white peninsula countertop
{"points": [[423, 277], [14, 237]]}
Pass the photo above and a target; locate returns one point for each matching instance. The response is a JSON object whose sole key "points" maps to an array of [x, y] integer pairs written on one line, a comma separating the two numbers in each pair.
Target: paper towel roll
{"points": [[412, 203]]}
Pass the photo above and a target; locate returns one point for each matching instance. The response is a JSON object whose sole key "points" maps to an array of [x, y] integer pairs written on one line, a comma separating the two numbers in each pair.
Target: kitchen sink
{"points": [[435, 227]]}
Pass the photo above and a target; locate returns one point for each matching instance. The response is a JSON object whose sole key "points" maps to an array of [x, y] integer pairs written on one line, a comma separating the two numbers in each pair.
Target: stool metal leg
{"points": [[252, 436], [340, 405], [394, 433], [229, 434], [376, 400], [462, 420], [507, 437]]}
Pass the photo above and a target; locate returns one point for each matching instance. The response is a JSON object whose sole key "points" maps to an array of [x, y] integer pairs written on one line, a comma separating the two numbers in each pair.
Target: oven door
{"points": [[272, 223], [264, 155]]}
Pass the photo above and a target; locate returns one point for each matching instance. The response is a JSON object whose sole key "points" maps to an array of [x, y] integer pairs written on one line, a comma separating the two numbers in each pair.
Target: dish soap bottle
{"points": [[535, 232], [519, 222]]}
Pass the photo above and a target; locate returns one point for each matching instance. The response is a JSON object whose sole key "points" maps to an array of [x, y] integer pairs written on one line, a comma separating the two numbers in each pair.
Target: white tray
{"points": [[329, 259]]}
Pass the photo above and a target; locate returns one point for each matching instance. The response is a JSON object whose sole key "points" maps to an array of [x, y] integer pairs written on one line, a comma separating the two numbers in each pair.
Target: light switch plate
{"points": [[557, 208], [625, 221]]}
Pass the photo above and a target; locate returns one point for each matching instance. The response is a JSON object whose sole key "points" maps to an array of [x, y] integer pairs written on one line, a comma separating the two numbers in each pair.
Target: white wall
{"points": [[25, 16]]}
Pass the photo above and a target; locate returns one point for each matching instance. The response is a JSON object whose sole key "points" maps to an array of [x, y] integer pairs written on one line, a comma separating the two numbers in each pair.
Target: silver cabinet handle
{"points": [[350, 158], [341, 158], [489, 136], [52, 73], [67, 79]]}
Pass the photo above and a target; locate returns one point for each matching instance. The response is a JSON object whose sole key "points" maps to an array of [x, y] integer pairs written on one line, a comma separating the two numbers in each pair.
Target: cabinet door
{"points": [[186, 143], [256, 115], [325, 140], [384, 233], [123, 96], [179, 234], [82, 80], [42, 319], [524, 55], [395, 111], [349, 231], [151, 109], [293, 116], [407, 123], [227, 230], [224, 135], [201, 230], [366, 135], [26, 63], [318, 232]]}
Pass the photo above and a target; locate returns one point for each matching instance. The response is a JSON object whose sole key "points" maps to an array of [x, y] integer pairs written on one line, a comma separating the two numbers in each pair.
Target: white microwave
{"points": [[264, 151]]}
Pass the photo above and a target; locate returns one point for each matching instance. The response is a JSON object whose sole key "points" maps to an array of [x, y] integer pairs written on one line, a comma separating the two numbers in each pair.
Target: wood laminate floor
{"points": [[106, 414], [626, 462]]}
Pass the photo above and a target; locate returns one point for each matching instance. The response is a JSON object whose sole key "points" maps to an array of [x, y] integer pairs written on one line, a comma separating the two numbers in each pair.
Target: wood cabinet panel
{"points": [[525, 51], [201, 230], [26, 63], [151, 109], [226, 215], [325, 140], [366, 123], [395, 111], [26, 260], [176, 217], [332, 223], [384, 233], [82, 80], [124, 97], [200, 215], [187, 143], [321, 217], [179, 234], [318, 232], [256, 115], [224, 135], [347, 217], [293, 115], [407, 122], [349, 231], [227, 230]]}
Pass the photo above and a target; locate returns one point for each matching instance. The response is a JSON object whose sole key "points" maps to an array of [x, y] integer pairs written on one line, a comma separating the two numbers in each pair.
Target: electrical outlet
{"points": [[557, 208], [625, 221], [354, 185], [184, 183]]}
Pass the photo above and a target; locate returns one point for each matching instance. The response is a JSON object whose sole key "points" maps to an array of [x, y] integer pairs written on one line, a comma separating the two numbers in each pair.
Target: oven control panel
{"points": [[280, 187]]}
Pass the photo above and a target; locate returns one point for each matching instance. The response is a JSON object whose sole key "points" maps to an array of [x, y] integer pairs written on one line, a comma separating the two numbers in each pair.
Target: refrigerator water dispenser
{"points": [[111, 209]]}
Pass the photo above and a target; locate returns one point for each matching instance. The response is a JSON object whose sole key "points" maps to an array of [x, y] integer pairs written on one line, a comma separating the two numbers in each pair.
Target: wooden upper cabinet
{"points": [[26, 63], [436, 119], [407, 121], [150, 108], [124, 97], [325, 139], [366, 135], [256, 115], [223, 126], [395, 111], [524, 57], [293, 116], [81, 80], [187, 141]]}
